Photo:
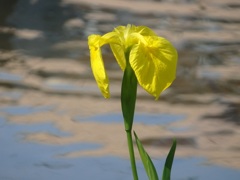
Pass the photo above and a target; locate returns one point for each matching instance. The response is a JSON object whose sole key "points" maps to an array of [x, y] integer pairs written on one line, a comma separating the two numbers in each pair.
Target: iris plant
{"points": [[146, 59]]}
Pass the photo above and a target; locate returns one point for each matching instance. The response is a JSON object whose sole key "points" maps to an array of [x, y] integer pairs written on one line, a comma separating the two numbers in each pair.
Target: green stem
{"points": [[128, 100], [131, 153]]}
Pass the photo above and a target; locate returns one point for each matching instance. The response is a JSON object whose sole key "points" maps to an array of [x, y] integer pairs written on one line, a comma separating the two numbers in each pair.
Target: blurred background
{"points": [[54, 123]]}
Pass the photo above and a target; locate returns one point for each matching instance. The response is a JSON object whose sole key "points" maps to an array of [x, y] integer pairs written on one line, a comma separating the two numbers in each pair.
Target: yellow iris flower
{"points": [[152, 58]]}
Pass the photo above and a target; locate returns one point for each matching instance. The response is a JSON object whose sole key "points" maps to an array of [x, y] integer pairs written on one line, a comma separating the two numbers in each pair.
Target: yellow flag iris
{"points": [[152, 58]]}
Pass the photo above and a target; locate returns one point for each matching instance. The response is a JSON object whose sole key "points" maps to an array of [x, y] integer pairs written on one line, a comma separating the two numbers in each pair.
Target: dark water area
{"points": [[6, 8], [44, 20], [45, 71]]}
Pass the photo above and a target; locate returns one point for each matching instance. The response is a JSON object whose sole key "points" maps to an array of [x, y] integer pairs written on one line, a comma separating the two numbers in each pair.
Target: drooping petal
{"points": [[97, 65], [154, 64], [109, 38], [117, 47]]}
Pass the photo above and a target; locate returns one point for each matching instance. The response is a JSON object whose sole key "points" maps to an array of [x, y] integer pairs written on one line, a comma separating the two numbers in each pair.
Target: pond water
{"points": [[45, 71], [151, 119], [28, 160]]}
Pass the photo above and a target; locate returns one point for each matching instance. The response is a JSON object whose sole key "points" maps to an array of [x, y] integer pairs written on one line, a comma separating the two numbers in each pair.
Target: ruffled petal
{"points": [[97, 65], [154, 64]]}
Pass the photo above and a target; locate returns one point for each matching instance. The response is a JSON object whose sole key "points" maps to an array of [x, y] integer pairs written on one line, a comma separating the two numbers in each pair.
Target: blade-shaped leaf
{"points": [[147, 162], [168, 164]]}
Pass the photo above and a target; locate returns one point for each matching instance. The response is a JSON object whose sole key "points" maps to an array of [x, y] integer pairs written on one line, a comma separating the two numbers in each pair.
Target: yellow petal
{"points": [[128, 35], [97, 65], [144, 31], [154, 64], [114, 39], [118, 53]]}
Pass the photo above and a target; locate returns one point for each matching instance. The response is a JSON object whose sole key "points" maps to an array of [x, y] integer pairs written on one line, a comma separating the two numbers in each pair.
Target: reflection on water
{"points": [[151, 119], [25, 160], [24, 110], [9, 77]]}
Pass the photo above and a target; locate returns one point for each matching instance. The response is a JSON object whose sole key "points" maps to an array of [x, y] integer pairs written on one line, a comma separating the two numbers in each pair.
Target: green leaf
{"points": [[147, 162], [168, 164]]}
